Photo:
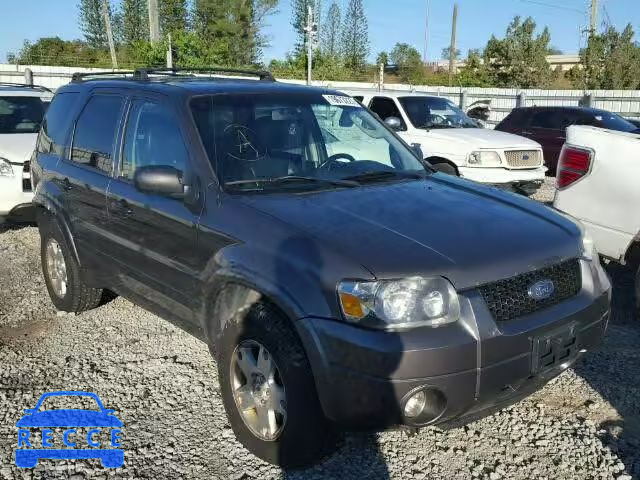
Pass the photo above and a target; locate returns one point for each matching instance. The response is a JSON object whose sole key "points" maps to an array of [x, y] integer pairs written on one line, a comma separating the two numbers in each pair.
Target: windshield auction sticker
{"points": [[69, 433], [341, 101]]}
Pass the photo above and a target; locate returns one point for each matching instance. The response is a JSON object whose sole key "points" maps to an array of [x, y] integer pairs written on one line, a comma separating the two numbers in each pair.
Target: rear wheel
{"points": [[61, 272], [268, 390]]}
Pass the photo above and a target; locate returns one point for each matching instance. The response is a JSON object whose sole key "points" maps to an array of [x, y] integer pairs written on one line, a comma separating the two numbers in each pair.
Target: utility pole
{"points": [[107, 24], [426, 34], [594, 16], [311, 30], [169, 52], [452, 47], [154, 21]]}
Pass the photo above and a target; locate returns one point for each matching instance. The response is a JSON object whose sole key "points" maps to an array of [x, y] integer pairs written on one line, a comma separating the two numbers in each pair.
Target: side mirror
{"points": [[417, 150], [161, 180], [394, 123]]}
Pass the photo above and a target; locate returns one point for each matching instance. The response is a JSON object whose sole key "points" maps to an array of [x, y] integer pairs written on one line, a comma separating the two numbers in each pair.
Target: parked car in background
{"points": [[456, 144], [599, 184], [547, 126], [22, 109], [335, 286]]}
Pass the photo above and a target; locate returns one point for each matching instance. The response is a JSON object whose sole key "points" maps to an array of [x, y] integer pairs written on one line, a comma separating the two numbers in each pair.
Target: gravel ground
{"points": [[162, 384]]}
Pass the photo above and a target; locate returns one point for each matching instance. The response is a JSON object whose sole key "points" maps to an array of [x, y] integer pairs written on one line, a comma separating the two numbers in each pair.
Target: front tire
{"points": [[268, 390], [61, 272]]}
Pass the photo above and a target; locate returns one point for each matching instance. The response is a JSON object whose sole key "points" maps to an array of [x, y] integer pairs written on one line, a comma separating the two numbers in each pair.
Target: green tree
{"points": [[474, 73], [382, 58], [331, 31], [409, 62], [519, 59], [446, 53], [173, 16], [135, 21], [610, 61], [91, 23], [355, 36]]}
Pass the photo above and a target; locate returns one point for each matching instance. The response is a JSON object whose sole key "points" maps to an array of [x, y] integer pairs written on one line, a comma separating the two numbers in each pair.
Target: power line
{"points": [[551, 5]]}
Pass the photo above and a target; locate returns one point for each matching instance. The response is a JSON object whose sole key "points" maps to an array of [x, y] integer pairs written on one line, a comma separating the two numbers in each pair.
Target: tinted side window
{"points": [[385, 108], [96, 131], [53, 136], [547, 119], [516, 119], [152, 138], [358, 98]]}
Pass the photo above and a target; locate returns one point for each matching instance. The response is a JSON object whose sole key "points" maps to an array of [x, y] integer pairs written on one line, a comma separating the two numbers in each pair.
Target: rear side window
{"points": [[548, 119], [96, 131], [53, 136], [516, 119]]}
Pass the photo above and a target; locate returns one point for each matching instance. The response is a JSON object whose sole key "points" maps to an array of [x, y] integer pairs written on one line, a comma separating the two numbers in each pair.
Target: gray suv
{"points": [[339, 281]]}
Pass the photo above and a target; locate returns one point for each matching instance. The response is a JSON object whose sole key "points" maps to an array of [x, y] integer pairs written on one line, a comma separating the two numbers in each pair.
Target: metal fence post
{"points": [[28, 76], [586, 100], [521, 99], [463, 100]]}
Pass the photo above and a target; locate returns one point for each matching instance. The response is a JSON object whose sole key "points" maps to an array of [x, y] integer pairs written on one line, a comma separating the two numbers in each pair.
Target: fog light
{"points": [[415, 404]]}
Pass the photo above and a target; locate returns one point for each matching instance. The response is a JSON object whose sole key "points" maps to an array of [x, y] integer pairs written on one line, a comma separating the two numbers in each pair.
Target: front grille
{"points": [[509, 299], [523, 158]]}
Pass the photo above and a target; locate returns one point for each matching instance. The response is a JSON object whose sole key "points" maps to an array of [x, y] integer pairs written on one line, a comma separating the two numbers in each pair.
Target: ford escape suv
{"points": [[338, 280]]}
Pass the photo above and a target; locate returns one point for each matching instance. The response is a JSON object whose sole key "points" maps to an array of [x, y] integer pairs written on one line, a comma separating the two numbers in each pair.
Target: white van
{"points": [[454, 143]]}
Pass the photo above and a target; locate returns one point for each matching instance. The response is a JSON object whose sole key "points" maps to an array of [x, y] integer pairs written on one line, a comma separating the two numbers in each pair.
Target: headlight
{"points": [[484, 159], [5, 168], [399, 304]]}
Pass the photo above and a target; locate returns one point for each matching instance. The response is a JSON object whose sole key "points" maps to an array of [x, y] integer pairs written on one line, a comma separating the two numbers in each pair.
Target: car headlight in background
{"points": [[399, 304], [484, 159], [5, 168]]}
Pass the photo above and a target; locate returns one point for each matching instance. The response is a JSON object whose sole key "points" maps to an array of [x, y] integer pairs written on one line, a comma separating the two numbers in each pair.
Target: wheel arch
{"points": [[632, 255], [47, 211]]}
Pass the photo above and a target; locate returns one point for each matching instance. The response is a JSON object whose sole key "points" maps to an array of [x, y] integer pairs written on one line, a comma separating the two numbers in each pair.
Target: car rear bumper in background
{"points": [[468, 369], [15, 193], [503, 176]]}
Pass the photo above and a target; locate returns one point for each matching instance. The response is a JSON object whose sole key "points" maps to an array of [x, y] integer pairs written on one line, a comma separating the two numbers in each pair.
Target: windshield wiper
{"points": [[292, 179], [385, 174]]}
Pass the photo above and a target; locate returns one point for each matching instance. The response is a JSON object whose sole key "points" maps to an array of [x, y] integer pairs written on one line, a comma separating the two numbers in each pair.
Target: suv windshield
{"points": [[613, 121], [266, 142], [431, 112], [21, 114]]}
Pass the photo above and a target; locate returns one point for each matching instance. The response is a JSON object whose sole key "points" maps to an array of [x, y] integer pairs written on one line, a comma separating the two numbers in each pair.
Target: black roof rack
{"points": [[263, 75], [82, 76], [24, 85]]}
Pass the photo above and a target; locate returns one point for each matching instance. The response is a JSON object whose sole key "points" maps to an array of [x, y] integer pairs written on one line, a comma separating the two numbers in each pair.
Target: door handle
{"points": [[121, 207], [66, 185]]}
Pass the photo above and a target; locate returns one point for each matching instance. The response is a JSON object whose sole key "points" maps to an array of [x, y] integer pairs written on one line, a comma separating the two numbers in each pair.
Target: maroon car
{"points": [[547, 126]]}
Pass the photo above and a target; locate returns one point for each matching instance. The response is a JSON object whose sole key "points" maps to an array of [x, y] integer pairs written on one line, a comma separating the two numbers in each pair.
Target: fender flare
{"points": [[47, 210]]}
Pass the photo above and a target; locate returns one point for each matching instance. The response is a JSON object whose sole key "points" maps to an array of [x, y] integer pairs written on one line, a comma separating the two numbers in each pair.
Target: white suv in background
{"points": [[22, 109], [455, 144]]}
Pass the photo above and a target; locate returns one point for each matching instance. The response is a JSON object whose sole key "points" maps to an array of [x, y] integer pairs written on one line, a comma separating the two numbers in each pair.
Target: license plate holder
{"points": [[554, 349]]}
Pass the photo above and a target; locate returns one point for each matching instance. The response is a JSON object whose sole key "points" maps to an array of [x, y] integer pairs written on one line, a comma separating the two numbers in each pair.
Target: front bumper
{"points": [[364, 377], [15, 198], [503, 176]]}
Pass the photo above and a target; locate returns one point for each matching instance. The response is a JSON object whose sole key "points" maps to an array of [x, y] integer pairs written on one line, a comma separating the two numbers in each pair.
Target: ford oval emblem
{"points": [[541, 290], [525, 157]]}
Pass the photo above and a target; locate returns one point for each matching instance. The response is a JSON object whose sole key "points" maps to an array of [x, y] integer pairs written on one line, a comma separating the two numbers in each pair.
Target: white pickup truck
{"points": [[598, 182], [455, 144]]}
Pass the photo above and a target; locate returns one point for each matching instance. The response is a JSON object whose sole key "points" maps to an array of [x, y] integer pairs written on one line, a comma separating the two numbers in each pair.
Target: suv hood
{"points": [[482, 138], [17, 147], [439, 226]]}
